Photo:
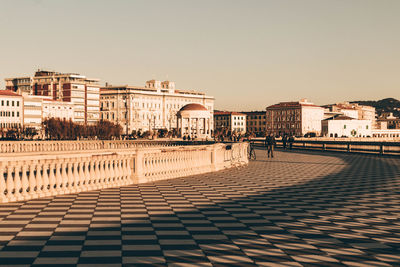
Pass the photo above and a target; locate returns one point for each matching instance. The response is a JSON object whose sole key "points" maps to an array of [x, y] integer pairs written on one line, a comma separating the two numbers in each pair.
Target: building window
{"points": [[344, 127]]}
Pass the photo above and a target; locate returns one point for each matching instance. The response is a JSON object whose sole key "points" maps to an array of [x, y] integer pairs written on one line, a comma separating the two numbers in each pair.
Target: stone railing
{"points": [[37, 175], [47, 146], [374, 147]]}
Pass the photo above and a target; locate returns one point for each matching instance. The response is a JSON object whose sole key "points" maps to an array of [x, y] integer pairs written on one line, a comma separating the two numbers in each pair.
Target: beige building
{"points": [[234, 122], [256, 122], [57, 109], [353, 110], [33, 111], [294, 118], [11, 109], [154, 106], [82, 92], [345, 126]]}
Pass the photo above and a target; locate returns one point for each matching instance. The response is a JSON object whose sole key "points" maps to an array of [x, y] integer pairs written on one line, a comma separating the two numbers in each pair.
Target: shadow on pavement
{"points": [[301, 207]]}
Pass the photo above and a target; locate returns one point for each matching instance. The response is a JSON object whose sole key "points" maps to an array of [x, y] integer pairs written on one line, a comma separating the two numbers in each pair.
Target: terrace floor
{"points": [[297, 209]]}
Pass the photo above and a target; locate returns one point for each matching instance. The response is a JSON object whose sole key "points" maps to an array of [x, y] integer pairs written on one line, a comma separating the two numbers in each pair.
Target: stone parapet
{"points": [[35, 175]]}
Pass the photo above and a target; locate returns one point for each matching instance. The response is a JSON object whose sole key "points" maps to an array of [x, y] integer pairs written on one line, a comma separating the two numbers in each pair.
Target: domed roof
{"points": [[193, 106]]}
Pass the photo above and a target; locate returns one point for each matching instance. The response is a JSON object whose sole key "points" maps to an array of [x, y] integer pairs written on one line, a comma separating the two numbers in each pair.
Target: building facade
{"points": [[354, 110], [256, 122], [57, 109], [294, 118], [33, 111], [82, 92], [11, 110], [233, 122], [154, 106], [345, 126]]}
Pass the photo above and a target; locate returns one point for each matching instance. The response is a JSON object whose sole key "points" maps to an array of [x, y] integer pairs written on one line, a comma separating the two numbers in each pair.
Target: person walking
{"points": [[270, 143], [284, 141]]}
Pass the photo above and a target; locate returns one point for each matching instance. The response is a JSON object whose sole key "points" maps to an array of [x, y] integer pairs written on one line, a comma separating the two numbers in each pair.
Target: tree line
{"points": [[61, 129]]}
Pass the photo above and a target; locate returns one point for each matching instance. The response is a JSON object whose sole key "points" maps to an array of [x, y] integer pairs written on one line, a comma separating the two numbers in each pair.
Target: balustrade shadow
{"points": [[266, 212]]}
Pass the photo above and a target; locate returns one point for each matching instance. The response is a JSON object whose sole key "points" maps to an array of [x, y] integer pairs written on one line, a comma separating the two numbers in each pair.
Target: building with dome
{"points": [[152, 107], [195, 121]]}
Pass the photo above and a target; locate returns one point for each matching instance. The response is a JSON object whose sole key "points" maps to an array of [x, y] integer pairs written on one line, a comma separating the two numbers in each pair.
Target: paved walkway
{"points": [[298, 209]]}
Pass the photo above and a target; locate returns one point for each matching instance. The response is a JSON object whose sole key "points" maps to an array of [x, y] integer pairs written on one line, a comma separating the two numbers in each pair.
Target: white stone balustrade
{"points": [[37, 175], [82, 145]]}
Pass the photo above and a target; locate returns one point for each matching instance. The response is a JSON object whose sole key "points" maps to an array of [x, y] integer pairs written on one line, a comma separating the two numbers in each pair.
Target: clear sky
{"points": [[248, 54]]}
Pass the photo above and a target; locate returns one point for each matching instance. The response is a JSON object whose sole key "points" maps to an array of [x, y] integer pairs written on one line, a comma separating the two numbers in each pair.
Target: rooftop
{"points": [[8, 93], [228, 113]]}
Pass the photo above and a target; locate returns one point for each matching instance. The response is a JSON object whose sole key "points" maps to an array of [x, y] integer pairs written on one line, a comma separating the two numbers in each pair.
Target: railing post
{"points": [[348, 147], [323, 146], [381, 149]]}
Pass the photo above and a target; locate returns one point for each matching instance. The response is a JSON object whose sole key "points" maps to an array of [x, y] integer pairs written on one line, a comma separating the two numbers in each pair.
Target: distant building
{"points": [[388, 121], [353, 110], [57, 109], [294, 118], [33, 111], [345, 126], [148, 108], [39, 108], [11, 109], [234, 122], [256, 122], [67, 87]]}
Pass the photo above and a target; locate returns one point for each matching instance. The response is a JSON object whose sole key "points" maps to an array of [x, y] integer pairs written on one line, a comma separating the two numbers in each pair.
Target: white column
{"points": [[197, 127]]}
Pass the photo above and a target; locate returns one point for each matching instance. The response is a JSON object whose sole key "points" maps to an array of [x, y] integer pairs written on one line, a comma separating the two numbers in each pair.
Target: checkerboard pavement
{"points": [[297, 209]]}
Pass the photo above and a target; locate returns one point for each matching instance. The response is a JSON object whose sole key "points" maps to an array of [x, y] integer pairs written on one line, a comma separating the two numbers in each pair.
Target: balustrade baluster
{"points": [[76, 176], [39, 179], [124, 171], [112, 172], [17, 183], [102, 174], [118, 171], [82, 182], [52, 178], [46, 181], [92, 174], [10, 182], [59, 179], [71, 177], [25, 181], [108, 172], [86, 173], [32, 180]]}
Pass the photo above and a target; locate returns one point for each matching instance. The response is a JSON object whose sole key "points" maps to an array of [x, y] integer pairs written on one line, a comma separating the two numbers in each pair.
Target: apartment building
{"points": [[154, 106], [82, 92], [256, 122], [234, 122], [294, 118], [11, 109]]}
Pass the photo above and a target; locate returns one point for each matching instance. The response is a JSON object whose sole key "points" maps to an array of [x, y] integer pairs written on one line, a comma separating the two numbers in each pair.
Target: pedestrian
{"points": [[284, 141], [291, 141], [270, 143]]}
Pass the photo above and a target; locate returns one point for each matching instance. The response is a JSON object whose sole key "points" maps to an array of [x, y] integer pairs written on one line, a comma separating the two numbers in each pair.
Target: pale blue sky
{"points": [[248, 54]]}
